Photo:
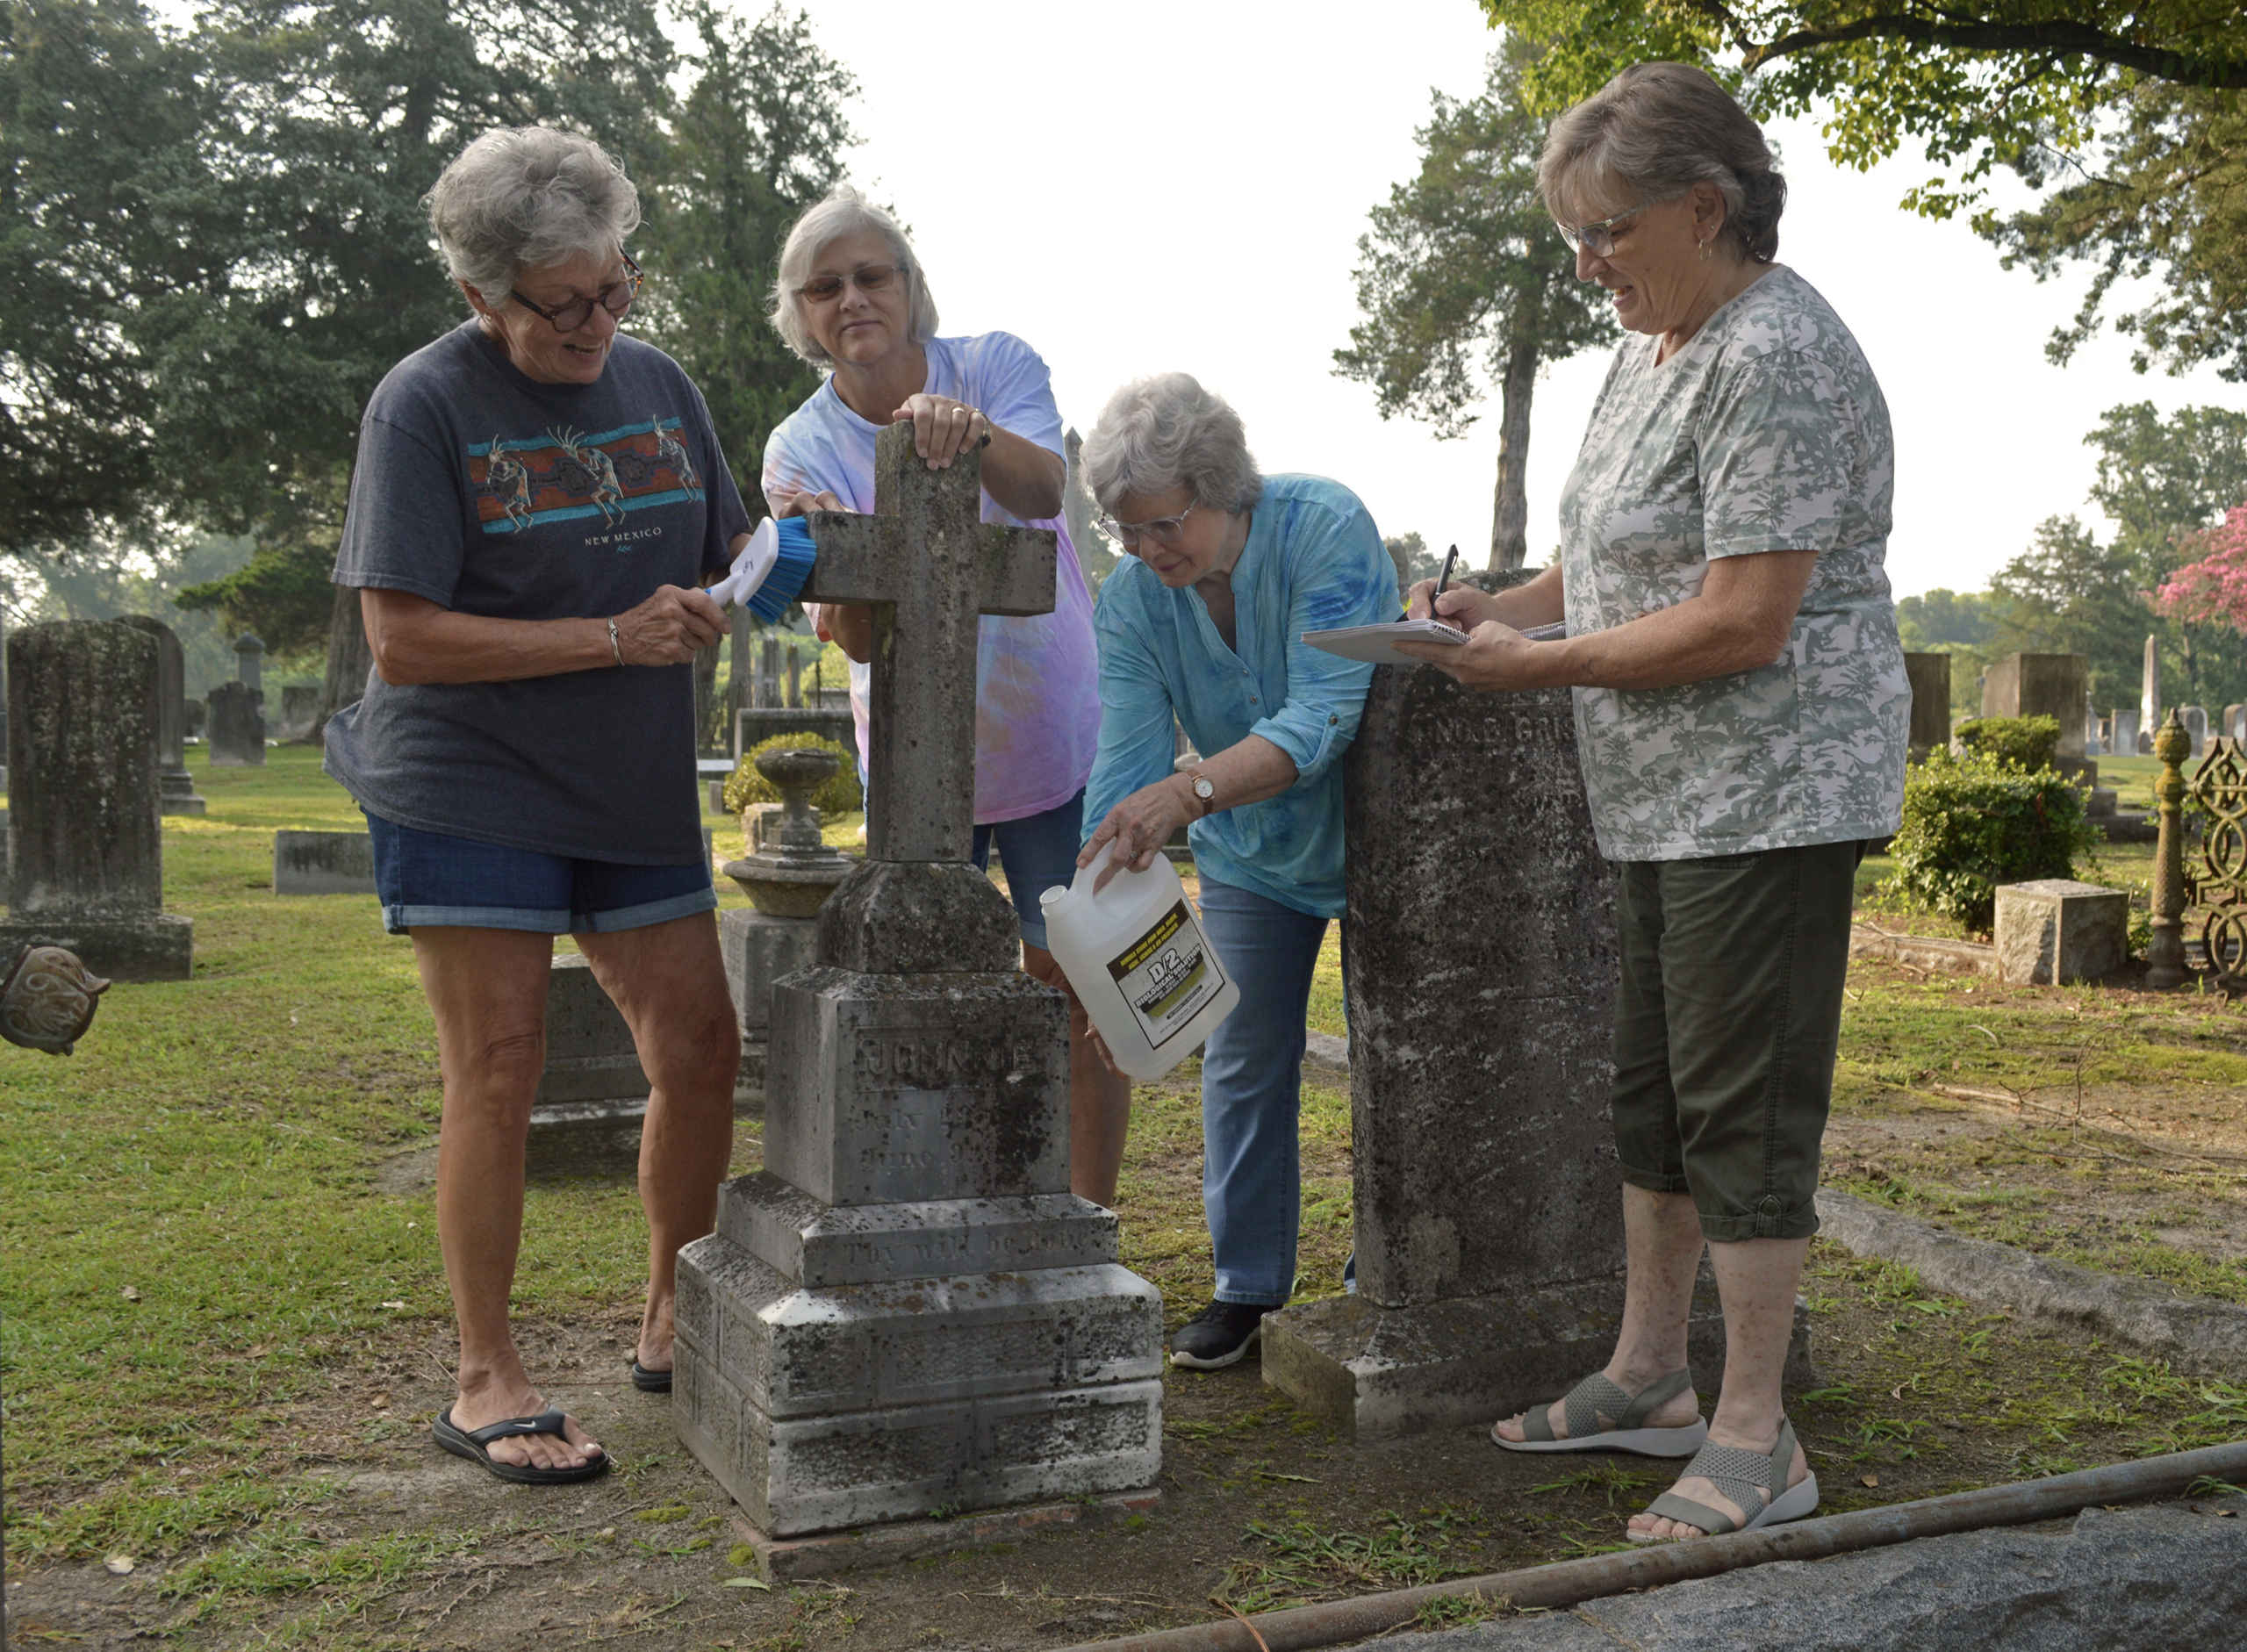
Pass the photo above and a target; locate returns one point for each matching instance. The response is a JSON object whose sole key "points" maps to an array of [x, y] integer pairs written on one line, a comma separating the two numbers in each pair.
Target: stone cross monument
{"points": [[907, 1309]]}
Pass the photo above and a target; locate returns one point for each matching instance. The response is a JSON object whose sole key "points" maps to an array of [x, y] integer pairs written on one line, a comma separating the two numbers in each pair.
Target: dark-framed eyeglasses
{"points": [[865, 277], [617, 298], [1164, 530], [1597, 239]]}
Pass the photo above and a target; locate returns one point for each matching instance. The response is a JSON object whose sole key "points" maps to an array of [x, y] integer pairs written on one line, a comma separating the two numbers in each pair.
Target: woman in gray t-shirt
{"points": [[1740, 713], [536, 501]]}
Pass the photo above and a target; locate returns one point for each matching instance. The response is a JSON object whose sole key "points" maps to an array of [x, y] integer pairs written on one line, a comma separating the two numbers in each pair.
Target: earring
{"points": [[1706, 246]]}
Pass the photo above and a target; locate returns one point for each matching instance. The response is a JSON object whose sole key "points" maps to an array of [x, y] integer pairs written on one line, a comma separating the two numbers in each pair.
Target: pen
{"points": [[1442, 579]]}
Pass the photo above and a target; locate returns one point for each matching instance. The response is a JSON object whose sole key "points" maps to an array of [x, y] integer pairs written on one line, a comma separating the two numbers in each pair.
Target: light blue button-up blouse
{"points": [[1314, 561]]}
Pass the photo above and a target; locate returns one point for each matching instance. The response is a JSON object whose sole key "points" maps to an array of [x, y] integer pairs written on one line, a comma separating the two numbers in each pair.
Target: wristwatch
{"points": [[1206, 790]]}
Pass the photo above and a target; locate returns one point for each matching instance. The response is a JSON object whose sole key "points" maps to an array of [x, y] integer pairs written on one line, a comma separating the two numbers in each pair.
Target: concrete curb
{"points": [[1923, 951], [2168, 1575], [1324, 1051], [2197, 1335]]}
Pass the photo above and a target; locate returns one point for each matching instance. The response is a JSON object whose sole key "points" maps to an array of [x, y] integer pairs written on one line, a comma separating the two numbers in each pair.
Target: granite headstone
{"points": [[175, 786], [85, 847]]}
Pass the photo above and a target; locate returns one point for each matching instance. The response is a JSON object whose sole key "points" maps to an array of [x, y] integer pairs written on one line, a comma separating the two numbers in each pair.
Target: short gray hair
{"points": [[1651, 135], [523, 198], [1166, 432], [842, 212]]}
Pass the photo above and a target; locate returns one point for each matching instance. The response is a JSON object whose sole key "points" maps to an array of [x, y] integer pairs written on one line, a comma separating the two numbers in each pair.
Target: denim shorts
{"points": [[428, 880], [1726, 1027], [1036, 852]]}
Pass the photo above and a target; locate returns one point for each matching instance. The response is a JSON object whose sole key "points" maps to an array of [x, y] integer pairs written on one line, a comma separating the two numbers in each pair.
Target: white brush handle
{"points": [[752, 567]]}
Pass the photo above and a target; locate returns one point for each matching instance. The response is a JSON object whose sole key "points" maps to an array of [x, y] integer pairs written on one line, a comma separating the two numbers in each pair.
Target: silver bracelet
{"points": [[615, 647]]}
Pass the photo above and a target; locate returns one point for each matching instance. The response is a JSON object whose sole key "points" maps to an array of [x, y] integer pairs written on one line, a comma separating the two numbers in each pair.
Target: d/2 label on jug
{"points": [[1167, 975]]}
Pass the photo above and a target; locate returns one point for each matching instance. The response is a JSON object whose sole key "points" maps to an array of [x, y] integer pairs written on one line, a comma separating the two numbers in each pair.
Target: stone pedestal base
{"points": [[175, 793], [148, 946], [600, 1138], [1380, 1373], [819, 1408], [758, 949]]}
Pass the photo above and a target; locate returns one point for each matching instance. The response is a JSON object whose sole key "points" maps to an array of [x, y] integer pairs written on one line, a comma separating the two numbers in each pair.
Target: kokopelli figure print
{"points": [[508, 479], [599, 471], [670, 450]]}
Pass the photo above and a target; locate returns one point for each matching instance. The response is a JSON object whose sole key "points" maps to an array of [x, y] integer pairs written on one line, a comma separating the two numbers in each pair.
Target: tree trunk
{"points": [[1510, 514], [349, 659]]}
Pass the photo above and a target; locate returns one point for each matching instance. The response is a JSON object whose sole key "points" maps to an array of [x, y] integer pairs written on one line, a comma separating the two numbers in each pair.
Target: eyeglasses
{"points": [[865, 277], [1597, 239], [1164, 530], [617, 298]]}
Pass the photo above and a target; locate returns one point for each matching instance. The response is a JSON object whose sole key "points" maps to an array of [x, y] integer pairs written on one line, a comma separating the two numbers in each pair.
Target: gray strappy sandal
{"points": [[1583, 1406], [1739, 1475]]}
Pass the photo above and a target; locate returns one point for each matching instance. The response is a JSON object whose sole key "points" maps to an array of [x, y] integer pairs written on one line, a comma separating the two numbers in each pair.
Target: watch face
{"points": [[1203, 787]]}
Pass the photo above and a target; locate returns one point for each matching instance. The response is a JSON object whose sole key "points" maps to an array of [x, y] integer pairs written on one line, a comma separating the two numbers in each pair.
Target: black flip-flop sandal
{"points": [[650, 1382], [470, 1444]]}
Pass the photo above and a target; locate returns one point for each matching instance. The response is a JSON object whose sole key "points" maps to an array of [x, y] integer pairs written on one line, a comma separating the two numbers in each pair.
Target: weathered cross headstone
{"points": [[907, 1309], [175, 786], [1488, 1203], [1929, 675], [237, 726], [2149, 695], [85, 846]]}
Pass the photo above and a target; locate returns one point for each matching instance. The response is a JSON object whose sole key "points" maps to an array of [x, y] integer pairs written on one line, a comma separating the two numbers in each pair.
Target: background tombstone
{"points": [[2234, 722], [2041, 686], [249, 660], [2148, 696], [760, 723], [1488, 1202], [299, 711], [907, 1309], [2094, 743], [2124, 738], [237, 726], [175, 786], [2196, 725], [85, 845], [1929, 675]]}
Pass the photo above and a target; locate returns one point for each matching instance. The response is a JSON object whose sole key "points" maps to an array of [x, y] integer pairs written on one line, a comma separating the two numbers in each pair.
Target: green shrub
{"points": [[841, 795], [2030, 742], [1973, 822]]}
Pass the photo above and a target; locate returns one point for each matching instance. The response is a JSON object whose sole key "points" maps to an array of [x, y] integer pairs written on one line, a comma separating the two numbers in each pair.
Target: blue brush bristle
{"points": [[789, 572]]}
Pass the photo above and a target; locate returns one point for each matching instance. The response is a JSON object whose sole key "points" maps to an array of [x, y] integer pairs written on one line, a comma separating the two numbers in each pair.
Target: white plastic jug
{"points": [[1140, 965]]}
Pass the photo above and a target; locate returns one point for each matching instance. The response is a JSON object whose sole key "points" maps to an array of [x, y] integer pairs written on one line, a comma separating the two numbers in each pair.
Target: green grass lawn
{"points": [[196, 1242]]}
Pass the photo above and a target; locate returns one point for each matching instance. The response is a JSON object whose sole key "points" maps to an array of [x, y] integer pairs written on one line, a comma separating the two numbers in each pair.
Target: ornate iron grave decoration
{"points": [[2216, 881]]}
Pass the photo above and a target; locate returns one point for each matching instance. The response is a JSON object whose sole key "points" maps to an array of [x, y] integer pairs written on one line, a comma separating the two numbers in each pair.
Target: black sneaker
{"points": [[1219, 1335]]}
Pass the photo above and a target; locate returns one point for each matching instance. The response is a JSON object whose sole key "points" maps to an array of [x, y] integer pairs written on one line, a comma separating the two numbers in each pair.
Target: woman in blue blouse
{"points": [[1205, 625]]}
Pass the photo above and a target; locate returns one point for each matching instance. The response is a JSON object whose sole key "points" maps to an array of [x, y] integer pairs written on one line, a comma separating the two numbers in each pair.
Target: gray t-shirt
{"points": [[492, 494], [1766, 432]]}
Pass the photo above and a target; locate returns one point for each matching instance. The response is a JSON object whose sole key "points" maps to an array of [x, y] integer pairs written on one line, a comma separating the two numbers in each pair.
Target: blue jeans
{"points": [[1252, 1093], [1038, 851]]}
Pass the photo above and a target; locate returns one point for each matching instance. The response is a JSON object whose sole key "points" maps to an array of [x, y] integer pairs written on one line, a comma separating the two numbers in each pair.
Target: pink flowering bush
{"points": [[2213, 591]]}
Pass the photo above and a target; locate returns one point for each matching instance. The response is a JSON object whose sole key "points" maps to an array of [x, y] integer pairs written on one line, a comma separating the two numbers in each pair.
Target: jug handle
{"points": [[1081, 884]]}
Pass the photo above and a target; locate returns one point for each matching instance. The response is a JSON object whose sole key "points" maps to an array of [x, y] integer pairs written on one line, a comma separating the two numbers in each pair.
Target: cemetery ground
{"points": [[227, 1327]]}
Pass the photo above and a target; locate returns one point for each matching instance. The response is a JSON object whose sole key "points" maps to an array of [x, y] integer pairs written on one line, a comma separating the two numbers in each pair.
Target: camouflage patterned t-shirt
{"points": [[1767, 432]]}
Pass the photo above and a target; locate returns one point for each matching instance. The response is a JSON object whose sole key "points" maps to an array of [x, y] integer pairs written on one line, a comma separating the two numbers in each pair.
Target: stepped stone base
{"points": [[818, 1408], [1380, 1373], [599, 1138], [145, 946], [828, 1245]]}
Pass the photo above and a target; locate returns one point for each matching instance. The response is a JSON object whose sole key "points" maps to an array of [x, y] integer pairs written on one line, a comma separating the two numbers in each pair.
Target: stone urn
{"points": [[47, 999], [795, 871]]}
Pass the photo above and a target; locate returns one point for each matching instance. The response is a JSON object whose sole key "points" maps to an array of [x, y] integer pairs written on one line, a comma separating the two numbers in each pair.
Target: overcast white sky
{"points": [[1157, 185]]}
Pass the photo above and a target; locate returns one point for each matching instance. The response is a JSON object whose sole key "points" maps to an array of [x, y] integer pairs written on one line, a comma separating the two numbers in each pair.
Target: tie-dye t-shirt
{"points": [[1767, 432], [1037, 677]]}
